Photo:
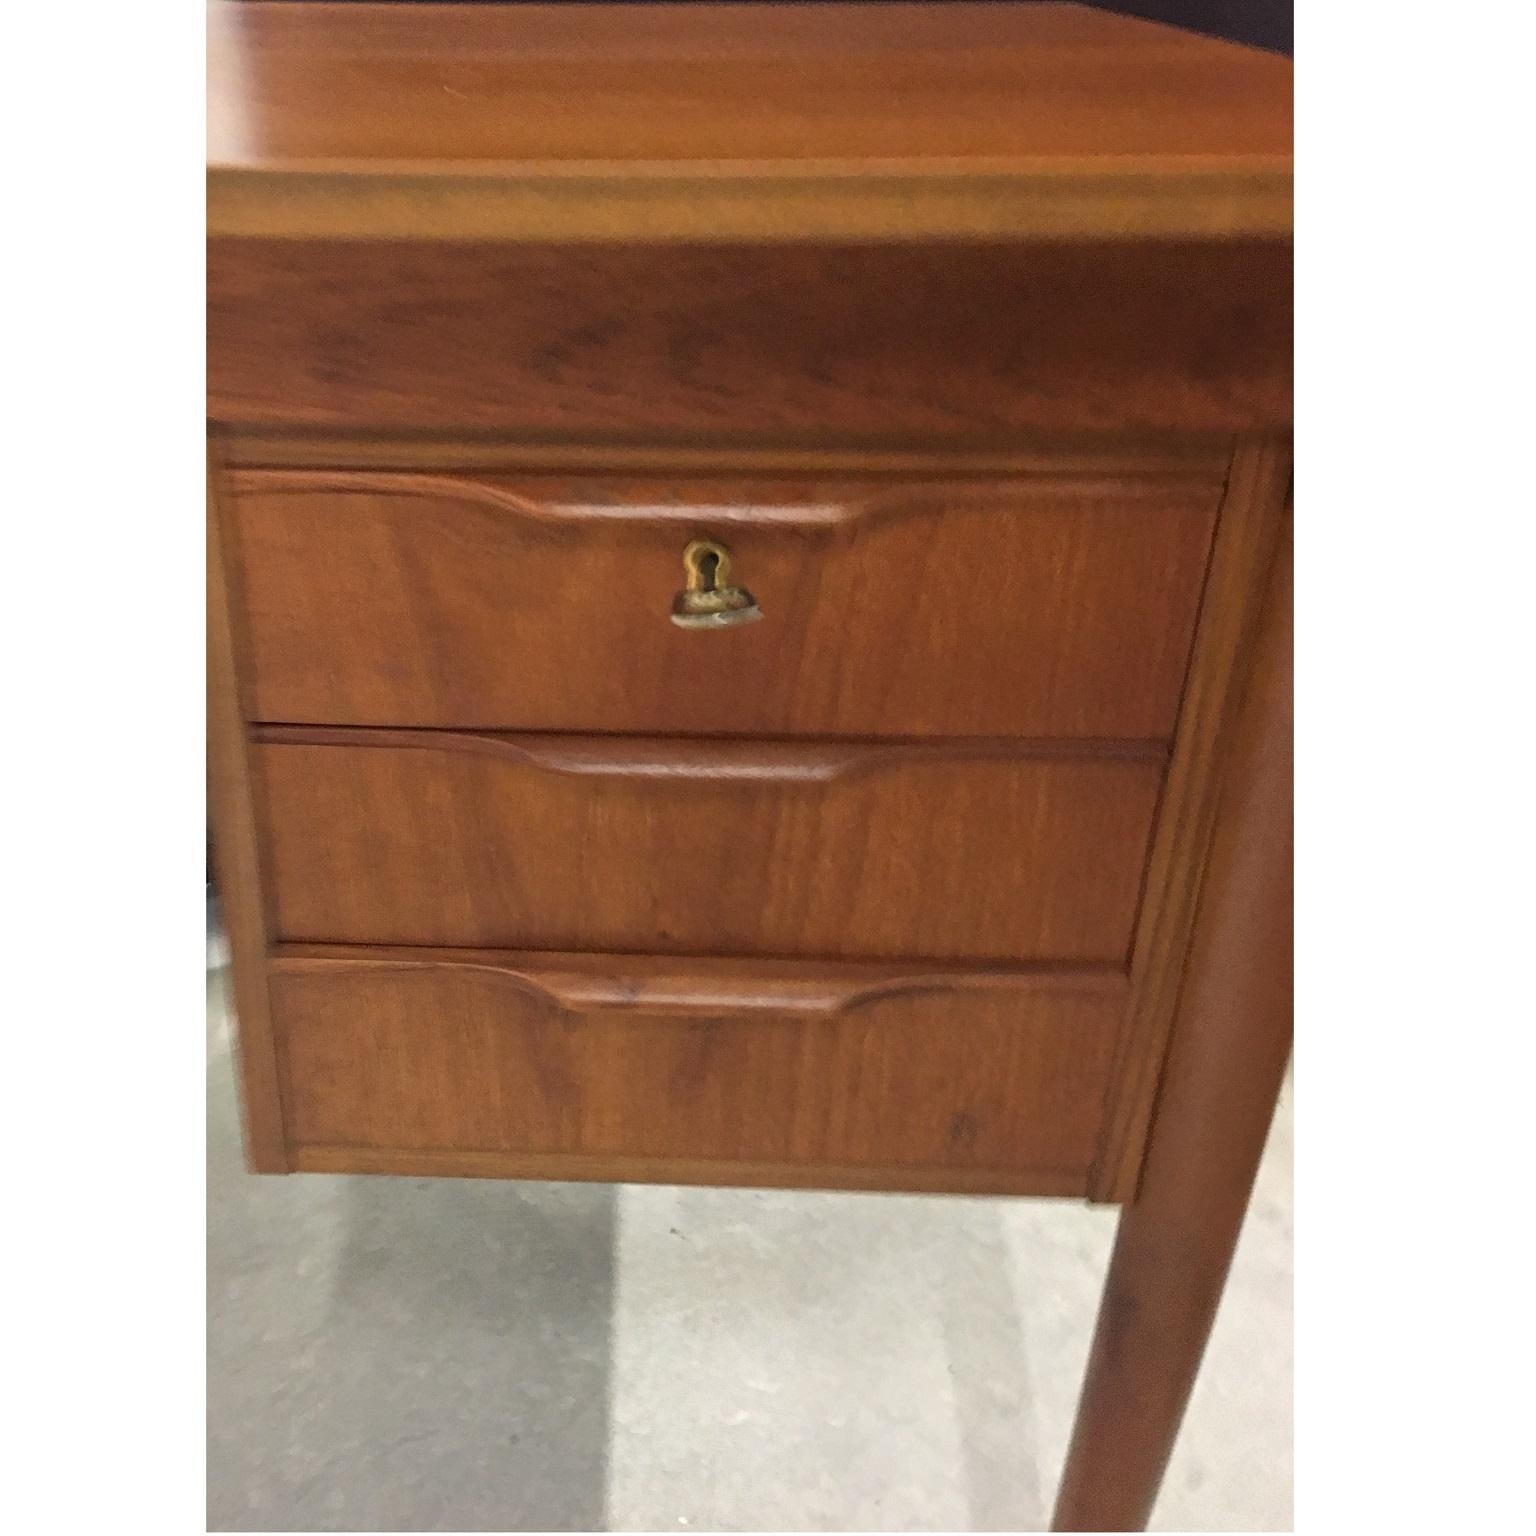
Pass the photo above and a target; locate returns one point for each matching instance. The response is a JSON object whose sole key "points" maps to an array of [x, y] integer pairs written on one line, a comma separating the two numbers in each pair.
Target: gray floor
{"points": [[439, 1355]]}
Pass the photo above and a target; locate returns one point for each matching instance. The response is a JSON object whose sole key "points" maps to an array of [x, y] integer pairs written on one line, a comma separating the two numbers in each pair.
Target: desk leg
{"points": [[1231, 1042]]}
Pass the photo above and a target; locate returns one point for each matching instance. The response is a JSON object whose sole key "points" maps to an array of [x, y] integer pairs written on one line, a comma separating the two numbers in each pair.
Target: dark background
{"points": [[1264, 23]]}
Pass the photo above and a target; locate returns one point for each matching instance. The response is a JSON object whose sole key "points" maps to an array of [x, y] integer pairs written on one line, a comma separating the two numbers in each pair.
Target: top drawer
{"points": [[1036, 607]]}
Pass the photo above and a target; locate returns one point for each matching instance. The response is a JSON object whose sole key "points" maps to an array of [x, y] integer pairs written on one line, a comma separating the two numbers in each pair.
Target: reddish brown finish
{"points": [[737, 122], [1039, 607], [719, 1061], [1244, 552], [242, 906], [1088, 456], [1225, 1068], [957, 343], [525, 297], [911, 1178], [979, 853], [441, 85]]}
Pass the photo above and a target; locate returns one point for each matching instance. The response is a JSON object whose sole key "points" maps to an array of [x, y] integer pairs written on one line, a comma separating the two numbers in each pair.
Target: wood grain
{"points": [[1042, 608], [1058, 455], [1245, 544], [686, 1170], [1225, 1068], [942, 852], [233, 815], [906, 887], [736, 122], [699, 986], [833, 345], [428, 1053]]}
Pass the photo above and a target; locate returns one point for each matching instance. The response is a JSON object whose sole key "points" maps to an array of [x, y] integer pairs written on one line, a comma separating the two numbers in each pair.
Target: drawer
{"points": [[979, 852], [1042, 606], [393, 1058]]}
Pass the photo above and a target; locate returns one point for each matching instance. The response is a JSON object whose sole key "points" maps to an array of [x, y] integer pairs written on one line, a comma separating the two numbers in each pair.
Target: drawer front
{"points": [[1035, 607], [977, 853], [727, 1062]]}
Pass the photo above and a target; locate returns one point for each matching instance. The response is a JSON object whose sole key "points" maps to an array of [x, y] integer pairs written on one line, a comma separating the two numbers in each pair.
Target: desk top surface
{"points": [[737, 121]]}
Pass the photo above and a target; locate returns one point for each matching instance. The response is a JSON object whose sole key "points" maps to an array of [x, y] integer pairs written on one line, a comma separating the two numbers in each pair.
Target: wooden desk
{"points": [[931, 365]]}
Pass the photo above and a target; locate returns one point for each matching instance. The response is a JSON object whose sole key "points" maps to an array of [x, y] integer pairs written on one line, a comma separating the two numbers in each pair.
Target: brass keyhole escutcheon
{"points": [[708, 600]]}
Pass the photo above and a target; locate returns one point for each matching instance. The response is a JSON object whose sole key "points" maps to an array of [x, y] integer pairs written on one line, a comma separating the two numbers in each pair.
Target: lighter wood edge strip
{"points": [[1155, 198], [616, 1169], [1246, 539]]}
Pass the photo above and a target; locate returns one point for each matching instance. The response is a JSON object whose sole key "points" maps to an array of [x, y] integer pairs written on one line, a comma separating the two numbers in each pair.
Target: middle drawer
{"points": [[973, 851]]}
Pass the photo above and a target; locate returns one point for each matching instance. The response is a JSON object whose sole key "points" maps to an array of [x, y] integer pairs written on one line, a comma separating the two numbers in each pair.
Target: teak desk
{"points": [[750, 614]]}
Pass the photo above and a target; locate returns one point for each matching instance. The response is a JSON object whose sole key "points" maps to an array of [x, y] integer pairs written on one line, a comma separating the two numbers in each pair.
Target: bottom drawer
{"points": [[624, 1068]]}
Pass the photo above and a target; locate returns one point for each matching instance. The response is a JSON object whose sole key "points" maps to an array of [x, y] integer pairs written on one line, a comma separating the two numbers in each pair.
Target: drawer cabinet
{"points": [[963, 866], [1039, 605], [975, 728], [702, 847]]}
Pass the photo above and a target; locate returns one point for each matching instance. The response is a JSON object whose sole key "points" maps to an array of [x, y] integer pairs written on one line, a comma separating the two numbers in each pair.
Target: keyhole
{"points": [[709, 564]]}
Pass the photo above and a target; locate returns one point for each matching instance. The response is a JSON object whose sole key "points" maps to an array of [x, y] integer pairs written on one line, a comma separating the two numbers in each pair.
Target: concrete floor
{"points": [[440, 1355]]}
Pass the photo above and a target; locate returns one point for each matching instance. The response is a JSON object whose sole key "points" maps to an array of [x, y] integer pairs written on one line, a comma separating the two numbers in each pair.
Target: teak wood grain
{"points": [[737, 122], [908, 886], [1249, 525], [1027, 456], [726, 1062], [1049, 607], [1225, 1067], [984, 852], [616, 1169], [232, 796], [896, 345]]}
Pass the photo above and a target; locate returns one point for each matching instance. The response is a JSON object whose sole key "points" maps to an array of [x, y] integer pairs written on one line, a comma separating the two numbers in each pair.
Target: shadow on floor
{"points": [[402, 1354]]}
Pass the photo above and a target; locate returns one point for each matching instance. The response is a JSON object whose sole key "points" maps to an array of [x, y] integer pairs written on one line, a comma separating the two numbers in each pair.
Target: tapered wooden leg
{"points": [[1231, 1042]]}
